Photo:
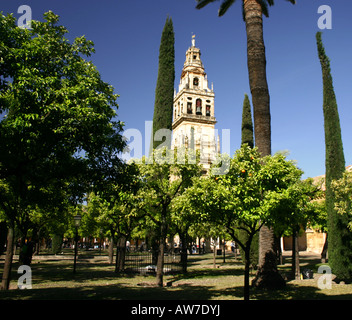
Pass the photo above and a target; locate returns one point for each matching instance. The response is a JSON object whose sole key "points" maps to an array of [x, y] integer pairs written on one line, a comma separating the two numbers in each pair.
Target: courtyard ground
{"points": [[95, 279]]}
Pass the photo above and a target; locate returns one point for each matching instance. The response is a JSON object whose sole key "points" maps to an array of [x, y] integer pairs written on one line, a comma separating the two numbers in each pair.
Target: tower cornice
{"points": [[198, 92], [195, 119]]}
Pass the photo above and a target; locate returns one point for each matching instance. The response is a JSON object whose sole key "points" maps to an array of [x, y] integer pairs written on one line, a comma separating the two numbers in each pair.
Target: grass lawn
{"points": [[95, 280]]}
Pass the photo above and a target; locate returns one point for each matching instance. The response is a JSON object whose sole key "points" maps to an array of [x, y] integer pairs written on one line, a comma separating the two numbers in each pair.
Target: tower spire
{"points": [[193, 40]]}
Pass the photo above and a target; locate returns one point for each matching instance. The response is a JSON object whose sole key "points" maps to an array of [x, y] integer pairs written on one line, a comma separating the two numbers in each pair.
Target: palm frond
{"points": [[270, 2], [225, 5], [202, 3], [264, 6]]}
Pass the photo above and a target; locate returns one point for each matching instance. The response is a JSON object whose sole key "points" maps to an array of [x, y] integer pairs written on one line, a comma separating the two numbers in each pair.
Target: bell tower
{"points": [[193, 111]]}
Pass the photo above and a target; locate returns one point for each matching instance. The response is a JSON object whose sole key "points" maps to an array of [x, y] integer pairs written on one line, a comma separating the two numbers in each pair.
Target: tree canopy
{"points": [[246, 198], [59, 135]]}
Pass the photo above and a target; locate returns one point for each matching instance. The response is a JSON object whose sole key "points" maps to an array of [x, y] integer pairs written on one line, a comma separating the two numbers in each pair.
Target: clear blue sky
{"points": [[127, 35]]}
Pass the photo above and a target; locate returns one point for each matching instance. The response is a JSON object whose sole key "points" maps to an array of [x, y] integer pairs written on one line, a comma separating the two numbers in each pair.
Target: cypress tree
{"points": [[247, 123], [164, 92], [247, 136], [339, 237]]}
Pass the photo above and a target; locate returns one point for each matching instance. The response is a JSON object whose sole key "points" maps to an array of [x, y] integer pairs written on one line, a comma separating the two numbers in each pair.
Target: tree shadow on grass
{"points": [[112, 292], [93, 281], [296, 292], [212, 273], [184, 291]]}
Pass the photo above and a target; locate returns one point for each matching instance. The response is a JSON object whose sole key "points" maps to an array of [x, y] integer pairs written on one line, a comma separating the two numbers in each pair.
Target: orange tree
{"points": [[245, 198], [165, 176], [58, 134]]}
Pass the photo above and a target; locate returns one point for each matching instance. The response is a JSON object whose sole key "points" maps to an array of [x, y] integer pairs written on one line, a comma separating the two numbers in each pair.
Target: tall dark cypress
{"points": [[164, 92], [339, 237], [247, 137], [247, 123]]}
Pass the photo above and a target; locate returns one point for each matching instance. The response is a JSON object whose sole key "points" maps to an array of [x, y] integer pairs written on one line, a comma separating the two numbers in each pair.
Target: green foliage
{"points": [[296, 207], [164, 92], [342, 190], [56, 243], [166, 175], [340, 241], [247, 134], [59, 136], [244, 199], [243, 237], [247, 196], [226, 4], [113, 210], [335, 160], [319, 221], [58, 113]]}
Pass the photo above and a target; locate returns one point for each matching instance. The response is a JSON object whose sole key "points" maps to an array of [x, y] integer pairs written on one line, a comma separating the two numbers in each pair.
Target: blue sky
{"points": [[127, 35]]}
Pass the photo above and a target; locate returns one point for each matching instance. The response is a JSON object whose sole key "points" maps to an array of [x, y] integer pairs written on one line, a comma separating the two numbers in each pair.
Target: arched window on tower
{"points": [[207, 111], [199, 106], [196, 82], [189, 107]]}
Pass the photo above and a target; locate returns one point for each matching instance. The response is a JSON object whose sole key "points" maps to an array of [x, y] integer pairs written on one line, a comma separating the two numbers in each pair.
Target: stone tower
{"points": [[193, 111]]}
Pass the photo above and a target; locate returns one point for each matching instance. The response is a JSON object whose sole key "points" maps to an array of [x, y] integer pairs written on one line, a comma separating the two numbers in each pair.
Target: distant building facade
{"points": [[311, 240]]}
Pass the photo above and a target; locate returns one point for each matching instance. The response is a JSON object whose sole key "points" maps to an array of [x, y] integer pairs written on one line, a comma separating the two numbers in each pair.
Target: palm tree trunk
{"points": [[268, 276], [256, 61], [262, 130]]}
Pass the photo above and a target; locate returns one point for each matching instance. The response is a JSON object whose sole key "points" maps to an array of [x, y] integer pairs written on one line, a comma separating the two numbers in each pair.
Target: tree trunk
{"points": [[224, 252], [162, 245], [279, 250], [184, 254], [295, 256], [111, 251], [214, 254], [256, 61], [120, 255], [160, 264], [6, 276], [155, 247], [3, 236], [37, 243], [324, 251], [267, 275], [246, 272]]}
